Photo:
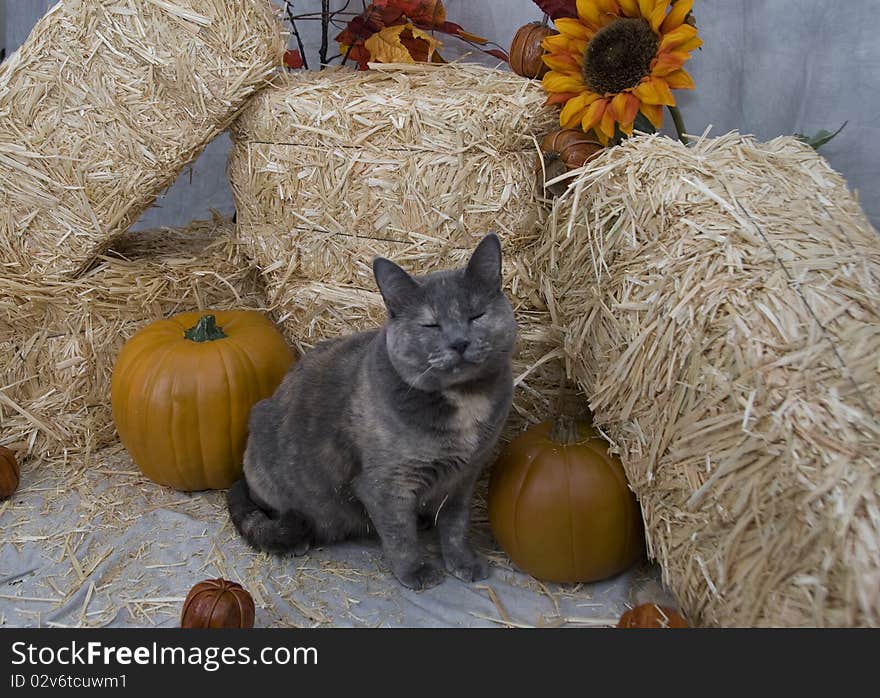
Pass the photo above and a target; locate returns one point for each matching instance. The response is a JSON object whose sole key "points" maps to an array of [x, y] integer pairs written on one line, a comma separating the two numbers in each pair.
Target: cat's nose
{"points": [[460, 345]]}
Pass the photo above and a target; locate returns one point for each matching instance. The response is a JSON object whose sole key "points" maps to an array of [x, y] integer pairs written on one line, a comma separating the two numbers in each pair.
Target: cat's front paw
{"points": [[423, 576], [468, 567]]}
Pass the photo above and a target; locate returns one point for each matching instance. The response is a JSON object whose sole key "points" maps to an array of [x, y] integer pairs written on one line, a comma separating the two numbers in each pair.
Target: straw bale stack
{"points": [[433, 156], [104, 105], [412, 162], [721, 309], [59, 339]]}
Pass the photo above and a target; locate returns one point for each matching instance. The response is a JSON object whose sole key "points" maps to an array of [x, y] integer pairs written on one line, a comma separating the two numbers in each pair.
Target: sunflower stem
{"points": [[679, 124], [545, 19]]}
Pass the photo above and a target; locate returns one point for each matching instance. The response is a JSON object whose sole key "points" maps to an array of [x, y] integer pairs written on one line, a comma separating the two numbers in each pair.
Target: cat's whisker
{"points": [[418, 378]]}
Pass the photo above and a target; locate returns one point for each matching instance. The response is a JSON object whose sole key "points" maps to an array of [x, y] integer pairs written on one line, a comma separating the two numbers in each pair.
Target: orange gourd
{"points": [[182, 389], [9, 473], [217, 603], [650, 615], [560, 507], [526, 53], [572, 146]]}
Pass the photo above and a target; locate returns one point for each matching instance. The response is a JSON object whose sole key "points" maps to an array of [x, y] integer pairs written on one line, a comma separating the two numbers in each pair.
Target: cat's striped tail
{"points": [[289, 532]]}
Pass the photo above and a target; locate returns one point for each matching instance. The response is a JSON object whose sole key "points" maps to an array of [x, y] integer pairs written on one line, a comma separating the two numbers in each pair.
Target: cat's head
{"points": [[449, 327]]}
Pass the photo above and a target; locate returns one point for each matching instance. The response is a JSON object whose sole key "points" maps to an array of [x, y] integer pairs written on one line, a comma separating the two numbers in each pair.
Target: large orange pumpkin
{"points": [[560, 507], [182, 389]]}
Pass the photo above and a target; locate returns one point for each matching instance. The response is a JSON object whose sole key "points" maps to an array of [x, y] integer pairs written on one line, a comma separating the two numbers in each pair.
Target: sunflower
{"points": [[616, 59]]}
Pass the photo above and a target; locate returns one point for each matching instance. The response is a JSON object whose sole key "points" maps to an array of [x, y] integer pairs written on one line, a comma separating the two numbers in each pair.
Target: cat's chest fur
{"points": [[470, 416]]}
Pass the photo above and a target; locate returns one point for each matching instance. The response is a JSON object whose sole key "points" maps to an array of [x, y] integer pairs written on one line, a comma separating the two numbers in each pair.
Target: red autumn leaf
{"points": [[373, 19], [293, 59], [498, 54], [360, 55], [424, 13], [457, 30], [427, 15], [558, 8]]}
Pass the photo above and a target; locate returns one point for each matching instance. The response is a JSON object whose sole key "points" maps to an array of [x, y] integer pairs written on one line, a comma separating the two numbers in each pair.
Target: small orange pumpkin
{"points": [[650, 615], [9, 473], [182, 390], [217, 603], [560, 507], [572, 146], [526, 53]]}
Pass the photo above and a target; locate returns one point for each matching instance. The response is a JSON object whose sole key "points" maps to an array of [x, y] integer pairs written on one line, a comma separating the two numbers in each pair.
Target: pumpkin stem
{"points": [[205, 330], [566, 430]]}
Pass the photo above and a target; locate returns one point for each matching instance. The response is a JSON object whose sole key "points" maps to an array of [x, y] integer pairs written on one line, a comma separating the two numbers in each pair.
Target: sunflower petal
{"points": [[609, 10], [676, 17], [653, 113], [627, 128], [559, 98], [563, 62], [646, 7], [578, 47], [588, 11], [624, 107], [563, 82], [575, 108], [680, 80], [600, 136], [629, 7], [658, 15], [555, 42], [594, 114], [668, 62], [654, 91], [691, 45], [677, 37], [607, 124], [609, 6], [572, 28]]}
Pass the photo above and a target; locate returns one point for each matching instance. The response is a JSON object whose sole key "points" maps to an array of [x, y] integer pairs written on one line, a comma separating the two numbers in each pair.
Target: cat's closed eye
{"points": [[432, 326], [473, 318]]}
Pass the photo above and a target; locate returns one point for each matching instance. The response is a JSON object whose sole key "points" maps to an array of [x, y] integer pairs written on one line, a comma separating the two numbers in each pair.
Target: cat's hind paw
{"points": [[423, 576]]}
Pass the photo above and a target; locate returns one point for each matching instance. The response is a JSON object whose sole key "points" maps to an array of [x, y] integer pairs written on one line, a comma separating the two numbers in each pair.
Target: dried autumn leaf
{"points": [[558, 8], [430, 13], [293, 59], [387, 46]]}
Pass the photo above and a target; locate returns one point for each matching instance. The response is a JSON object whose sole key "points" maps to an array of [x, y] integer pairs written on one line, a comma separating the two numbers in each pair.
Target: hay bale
{"points": [[61, 338], [721, 309], [432, 156], [102, 107]]}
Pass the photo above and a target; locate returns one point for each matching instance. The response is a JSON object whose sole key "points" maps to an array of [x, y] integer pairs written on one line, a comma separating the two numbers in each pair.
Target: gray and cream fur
{"points": [[377, 431]]}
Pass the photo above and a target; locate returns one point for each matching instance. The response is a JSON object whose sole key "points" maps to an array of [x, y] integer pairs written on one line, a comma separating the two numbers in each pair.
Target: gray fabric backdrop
{"points": [[768, 67]]}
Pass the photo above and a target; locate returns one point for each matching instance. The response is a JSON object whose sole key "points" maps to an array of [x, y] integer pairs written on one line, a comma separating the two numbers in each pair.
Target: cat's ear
{"points": [[396, 286], [484, 268]]}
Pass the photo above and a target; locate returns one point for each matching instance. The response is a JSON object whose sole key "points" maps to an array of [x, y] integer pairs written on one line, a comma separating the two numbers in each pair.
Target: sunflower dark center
{"points": [[620, 55]]}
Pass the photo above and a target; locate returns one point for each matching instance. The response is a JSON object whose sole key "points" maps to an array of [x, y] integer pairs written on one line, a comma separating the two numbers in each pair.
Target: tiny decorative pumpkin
{"points": [[182, 390], [570, 145], [650, 615], [217, 603], [526, 53], [9, 473], [560, 507]]}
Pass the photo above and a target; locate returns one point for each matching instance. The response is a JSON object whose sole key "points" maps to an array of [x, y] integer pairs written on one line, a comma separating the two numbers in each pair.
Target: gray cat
{"points": [[382, 430]]}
